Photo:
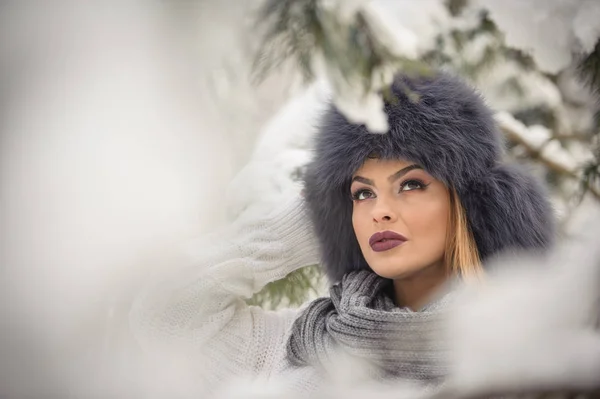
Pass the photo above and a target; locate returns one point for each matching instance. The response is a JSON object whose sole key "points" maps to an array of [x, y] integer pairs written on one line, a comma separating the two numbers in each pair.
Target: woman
{"points": [[395, 217]]}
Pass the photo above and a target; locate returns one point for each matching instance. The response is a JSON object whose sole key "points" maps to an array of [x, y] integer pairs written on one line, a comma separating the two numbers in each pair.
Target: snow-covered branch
{"points": [[544, 148], [554, 32], [356, 45]]}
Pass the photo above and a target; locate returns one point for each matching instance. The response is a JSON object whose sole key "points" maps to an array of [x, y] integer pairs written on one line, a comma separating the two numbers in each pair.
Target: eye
{"points": [[362, 194], [411, 185]]}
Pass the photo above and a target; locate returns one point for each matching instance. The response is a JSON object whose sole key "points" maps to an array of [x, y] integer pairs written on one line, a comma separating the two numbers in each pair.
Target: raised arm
{"points": [[200, 307]]}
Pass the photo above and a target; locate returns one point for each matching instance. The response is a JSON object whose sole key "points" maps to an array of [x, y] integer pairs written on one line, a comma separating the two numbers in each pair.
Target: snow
{"points": [[530, 324], [506, 85], [572, 89], [469, 18], [140, 161], [362, 108], [114, 144], [509, 88], [508, 121], [474, 50], [539, 138], [345, 10], [403, 29], [585, 25], [555, 152], [421, 19], [390, 32], [551, 30], [282, 150]]}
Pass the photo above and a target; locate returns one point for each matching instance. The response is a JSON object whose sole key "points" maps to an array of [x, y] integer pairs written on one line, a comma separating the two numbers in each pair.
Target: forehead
{"points": [[375, 166]]}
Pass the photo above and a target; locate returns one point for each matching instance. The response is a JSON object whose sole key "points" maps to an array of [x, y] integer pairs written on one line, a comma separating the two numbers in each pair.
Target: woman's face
{"points": [[400, 217]]}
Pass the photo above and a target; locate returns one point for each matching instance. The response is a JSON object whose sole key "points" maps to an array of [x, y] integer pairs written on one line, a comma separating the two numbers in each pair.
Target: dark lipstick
{"points": [[386, 240]]}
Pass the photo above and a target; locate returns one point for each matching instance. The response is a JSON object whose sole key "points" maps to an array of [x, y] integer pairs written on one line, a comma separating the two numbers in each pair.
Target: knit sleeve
{"points": [[199, 308]]}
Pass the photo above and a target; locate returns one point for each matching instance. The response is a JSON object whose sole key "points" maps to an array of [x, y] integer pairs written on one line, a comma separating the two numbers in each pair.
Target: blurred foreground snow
{"points": [[121, 131], [117, 139]]}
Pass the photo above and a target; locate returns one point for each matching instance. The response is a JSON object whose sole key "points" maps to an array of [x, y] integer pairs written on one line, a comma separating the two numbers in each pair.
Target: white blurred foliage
{"points": [[553, 31], [217, 41], [101, 154], [534, 322], [116, 141], [282, 150], [531, 326]]}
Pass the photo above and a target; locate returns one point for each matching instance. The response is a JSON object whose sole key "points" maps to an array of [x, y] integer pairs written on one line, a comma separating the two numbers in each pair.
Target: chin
{"points": [[393, 270]]}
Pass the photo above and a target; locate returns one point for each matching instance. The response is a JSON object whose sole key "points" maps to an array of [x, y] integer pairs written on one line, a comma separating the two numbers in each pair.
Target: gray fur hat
{"points": [[451, 133]]}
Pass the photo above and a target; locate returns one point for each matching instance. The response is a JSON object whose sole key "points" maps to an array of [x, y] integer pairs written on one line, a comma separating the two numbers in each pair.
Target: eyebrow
{"points": [[391, 178]]}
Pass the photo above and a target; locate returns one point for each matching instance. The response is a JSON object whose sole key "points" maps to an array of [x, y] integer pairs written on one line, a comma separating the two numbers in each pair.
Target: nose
{"points": [[383, 212]]}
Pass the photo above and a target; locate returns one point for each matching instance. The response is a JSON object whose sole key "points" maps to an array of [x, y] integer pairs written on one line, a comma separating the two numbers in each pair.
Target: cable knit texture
{"points": [[196, 317], [197, 313], [361, 319]]}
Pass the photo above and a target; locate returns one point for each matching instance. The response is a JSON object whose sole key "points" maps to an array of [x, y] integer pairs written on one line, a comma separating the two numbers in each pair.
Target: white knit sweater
{"points": [[199, 308]]}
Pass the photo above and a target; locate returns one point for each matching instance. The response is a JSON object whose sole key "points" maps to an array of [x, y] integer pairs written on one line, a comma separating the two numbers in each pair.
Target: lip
{"points": [[386, 240]]}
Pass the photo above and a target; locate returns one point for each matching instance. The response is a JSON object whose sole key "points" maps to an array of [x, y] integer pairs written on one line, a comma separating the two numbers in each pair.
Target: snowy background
{"points": [[126, 128]]}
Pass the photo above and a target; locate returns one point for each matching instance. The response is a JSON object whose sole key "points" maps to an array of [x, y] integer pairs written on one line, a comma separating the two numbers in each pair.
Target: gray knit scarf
{"points": [[360, 319]]}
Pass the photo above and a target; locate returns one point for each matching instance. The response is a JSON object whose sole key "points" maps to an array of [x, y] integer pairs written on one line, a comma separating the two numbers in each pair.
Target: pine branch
{"points": [[304, 32], [292, 31], [456, 7], [291, 291], [588, 177], [591, 173], [589, 70]]}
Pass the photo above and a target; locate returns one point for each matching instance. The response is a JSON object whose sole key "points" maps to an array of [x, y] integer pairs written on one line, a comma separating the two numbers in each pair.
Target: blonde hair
{"points": [[461, 256]]}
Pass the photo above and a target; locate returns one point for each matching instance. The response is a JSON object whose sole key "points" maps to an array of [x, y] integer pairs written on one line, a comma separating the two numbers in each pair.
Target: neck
{"points": [[416, 290]]}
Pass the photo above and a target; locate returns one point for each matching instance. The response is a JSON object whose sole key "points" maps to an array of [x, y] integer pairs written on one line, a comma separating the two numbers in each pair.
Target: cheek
{"points": [[356, 224], [359, 224], [430, 221]]}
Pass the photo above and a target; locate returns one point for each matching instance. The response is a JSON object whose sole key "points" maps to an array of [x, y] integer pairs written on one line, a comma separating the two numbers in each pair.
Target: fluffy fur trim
{"points": [[451, 133]]}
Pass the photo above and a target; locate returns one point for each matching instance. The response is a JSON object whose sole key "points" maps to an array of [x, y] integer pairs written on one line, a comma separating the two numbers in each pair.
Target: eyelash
{"points": [[356, 194]]}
